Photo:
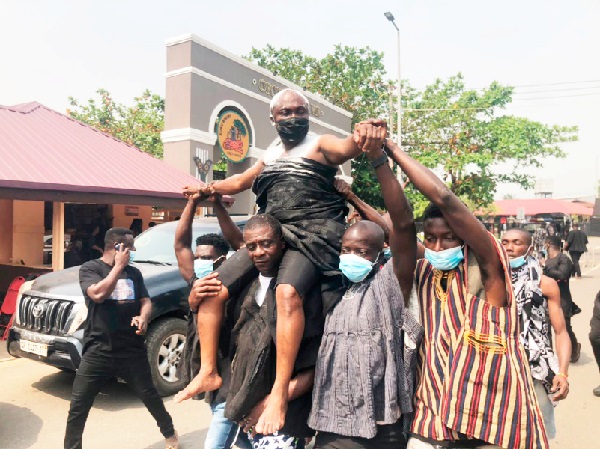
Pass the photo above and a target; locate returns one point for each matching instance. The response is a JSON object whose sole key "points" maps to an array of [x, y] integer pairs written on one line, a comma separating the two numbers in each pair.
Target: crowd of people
{"points": [[357, 335]]}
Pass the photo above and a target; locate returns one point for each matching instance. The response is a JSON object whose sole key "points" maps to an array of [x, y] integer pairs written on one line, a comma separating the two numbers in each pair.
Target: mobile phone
{"points": [[117, 246]]}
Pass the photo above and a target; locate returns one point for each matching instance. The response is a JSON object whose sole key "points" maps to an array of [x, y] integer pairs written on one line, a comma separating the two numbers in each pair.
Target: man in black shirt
{"points": [[595, 335], [558, 266], [118, 312], [576, 244]]}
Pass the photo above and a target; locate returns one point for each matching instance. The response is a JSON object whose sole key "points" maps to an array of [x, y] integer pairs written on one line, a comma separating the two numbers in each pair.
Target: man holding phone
{"points": [[119, 309]]}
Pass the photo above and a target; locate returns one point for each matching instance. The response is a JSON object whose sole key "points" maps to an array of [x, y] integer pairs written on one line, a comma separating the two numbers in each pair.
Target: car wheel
{"points": [[165, 342]]}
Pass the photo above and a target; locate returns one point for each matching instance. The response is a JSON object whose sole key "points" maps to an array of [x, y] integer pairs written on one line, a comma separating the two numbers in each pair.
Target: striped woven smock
{"points": [[474, 374]]}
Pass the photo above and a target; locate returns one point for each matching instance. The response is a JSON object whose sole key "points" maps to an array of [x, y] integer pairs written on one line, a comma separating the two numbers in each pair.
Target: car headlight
{"points": [[79, 318]]}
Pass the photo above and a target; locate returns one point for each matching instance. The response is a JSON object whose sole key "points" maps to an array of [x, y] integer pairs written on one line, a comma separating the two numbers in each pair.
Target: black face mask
{"points": [[292, 130]]}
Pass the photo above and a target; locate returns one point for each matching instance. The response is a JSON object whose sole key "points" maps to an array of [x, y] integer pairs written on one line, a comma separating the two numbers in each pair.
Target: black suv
{"points": [[50, 315]]}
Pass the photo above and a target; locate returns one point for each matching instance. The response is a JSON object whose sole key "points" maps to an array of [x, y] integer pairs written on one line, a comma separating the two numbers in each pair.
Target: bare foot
{"points": [[273, 418], [203, 382]]}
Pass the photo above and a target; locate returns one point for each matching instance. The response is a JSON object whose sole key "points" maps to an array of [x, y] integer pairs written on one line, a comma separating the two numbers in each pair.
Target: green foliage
{"points": [[460, 133], [240, 127], [138, 125], [221, 165]]}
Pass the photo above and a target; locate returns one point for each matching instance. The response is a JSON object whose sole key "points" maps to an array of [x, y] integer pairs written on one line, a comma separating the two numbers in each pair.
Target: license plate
{"points": [[34, 347]]}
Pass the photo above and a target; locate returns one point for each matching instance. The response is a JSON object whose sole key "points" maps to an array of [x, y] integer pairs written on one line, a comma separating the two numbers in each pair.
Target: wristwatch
{"points": [[379, 161]]}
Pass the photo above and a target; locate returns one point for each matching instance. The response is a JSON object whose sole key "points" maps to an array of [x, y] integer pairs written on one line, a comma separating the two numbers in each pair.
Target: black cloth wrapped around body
{"points": [[300, 194]]}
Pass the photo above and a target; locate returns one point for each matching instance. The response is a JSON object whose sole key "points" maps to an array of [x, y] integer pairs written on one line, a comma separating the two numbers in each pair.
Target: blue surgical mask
{"points": [[203, 267], [387, 253], [517, 262], [445, 260], [131, 256], [354, 267]]}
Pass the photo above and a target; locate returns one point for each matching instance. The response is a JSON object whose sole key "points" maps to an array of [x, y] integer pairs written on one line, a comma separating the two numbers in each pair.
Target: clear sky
{"points": [[53, 49]]}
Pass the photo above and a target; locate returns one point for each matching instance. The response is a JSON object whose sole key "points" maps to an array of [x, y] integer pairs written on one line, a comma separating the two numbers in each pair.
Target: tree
{"points": [[460, 133], [138, 125], [240, 127]]}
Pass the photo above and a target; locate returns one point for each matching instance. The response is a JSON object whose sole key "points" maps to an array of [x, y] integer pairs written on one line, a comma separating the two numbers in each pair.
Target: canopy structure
{"points": [[511, 208], [48, 156]]}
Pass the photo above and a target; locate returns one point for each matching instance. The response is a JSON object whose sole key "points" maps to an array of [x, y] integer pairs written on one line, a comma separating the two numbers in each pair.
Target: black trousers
{"points": [[575, 256], [572, 336], [595, 338], [388, 436], [93, 373]]}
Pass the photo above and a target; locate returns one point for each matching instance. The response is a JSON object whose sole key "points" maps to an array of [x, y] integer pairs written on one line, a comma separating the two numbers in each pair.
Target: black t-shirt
{"points": [[108, 330]]}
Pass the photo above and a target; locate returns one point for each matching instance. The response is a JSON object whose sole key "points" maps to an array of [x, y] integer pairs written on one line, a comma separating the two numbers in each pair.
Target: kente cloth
{"points": [[299, 192], [475, 380], [535, 321]]}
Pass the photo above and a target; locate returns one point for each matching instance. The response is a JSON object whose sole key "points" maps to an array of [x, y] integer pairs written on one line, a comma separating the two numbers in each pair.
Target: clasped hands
{"points": [[201, 193], [369, 135]]}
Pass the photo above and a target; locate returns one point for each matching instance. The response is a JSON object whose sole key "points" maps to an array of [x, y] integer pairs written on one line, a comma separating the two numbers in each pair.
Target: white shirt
{"points": [[261, 293], [277, 151]]}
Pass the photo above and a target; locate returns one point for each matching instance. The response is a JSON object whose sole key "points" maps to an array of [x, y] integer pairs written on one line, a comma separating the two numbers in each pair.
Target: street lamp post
{"points": [[390, 17]]}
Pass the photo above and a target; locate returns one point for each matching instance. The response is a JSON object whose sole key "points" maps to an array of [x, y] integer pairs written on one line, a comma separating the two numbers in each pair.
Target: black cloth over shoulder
{"points": [[299, 192], [253, 353]]}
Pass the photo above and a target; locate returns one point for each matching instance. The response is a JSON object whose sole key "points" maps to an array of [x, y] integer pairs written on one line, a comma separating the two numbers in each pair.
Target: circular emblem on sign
{"points": [[233, 135]]}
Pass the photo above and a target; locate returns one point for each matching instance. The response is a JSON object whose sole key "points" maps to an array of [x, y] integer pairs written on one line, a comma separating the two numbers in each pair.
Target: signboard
{"points": [[132, 211], [520, 213], [233, 135]]}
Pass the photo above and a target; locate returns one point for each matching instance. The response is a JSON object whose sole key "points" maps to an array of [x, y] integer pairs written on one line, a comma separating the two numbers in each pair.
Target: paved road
{"points": [[34, 400]]}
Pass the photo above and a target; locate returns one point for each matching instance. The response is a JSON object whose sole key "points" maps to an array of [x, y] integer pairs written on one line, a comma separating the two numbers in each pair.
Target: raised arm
{"points": [[364, 210], [183, 234], [403, 235], [102, 289], [232, 233], [460, 219], [238, 183], [337, 151]]}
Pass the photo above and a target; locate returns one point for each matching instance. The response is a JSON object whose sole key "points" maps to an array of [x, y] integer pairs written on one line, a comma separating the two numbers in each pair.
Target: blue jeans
{"points": [[546, 407], [222, 432]]}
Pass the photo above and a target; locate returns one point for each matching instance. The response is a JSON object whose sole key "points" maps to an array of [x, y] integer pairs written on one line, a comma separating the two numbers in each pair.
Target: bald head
{"points": [[364, 238], [286, 96]]}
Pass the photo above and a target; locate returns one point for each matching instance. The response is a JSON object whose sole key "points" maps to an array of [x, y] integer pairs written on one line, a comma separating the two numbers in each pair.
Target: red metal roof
{"points": [[42, 149], [539, 206]]}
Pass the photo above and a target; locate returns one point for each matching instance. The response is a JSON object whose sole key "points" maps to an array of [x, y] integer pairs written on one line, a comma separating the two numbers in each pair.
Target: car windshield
{"points": [[156, 244]]}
